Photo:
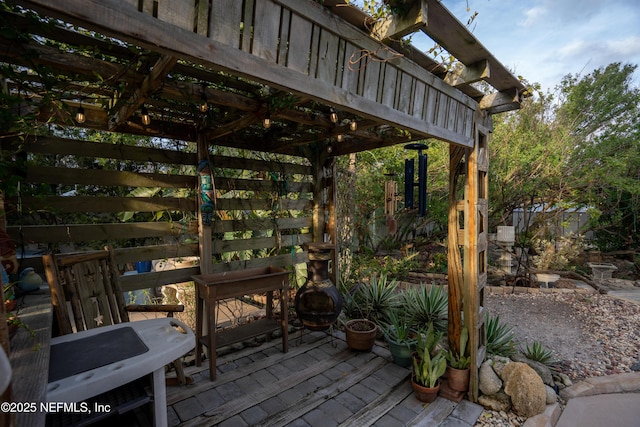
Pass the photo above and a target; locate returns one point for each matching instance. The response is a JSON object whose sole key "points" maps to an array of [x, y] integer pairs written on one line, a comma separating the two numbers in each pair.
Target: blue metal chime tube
{"points": [[409, 168], [422, 185]]}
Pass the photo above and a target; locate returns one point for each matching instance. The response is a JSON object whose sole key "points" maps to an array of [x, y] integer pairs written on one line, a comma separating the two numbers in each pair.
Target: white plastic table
{"points": [[165, 343]]}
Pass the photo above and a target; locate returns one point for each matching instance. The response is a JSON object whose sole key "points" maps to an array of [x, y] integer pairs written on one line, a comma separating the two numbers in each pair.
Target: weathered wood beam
{"points": [[109, 204], [237, 125], [340, 149], [449, 32], [500, 102], [394, 27], [30, 54], [150, 84], [112, 18], [468, 74]]}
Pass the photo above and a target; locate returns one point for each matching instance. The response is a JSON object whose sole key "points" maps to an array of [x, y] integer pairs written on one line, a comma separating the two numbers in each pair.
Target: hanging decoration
{"points": [[207, 192], [409, 184], [390, 199]]}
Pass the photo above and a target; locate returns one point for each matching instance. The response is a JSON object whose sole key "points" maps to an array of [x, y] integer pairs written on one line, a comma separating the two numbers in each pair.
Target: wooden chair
{"points": [[86, 293]]}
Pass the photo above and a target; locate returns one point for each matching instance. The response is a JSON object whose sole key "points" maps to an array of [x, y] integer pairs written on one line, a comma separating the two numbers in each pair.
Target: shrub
{"points": [[427, 305], [373, 300], [499, 336], [538, 352]]}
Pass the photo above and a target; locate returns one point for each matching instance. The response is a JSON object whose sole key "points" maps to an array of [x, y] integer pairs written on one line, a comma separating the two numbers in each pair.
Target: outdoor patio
{"points": [[211, 131], [319, 382]]}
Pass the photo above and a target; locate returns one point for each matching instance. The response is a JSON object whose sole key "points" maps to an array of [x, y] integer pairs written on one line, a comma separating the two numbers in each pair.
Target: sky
{"points": [[543, 40]]}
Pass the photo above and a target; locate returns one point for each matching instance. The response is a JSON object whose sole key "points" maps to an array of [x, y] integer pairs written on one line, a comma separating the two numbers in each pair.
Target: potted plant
{"points": [[365, 304], [428, 340], [361, 334], [400, 336], [458, 364], [427, 371]]}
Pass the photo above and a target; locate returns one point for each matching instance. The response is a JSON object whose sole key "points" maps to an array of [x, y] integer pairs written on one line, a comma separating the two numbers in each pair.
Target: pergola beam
{"points": [[149, 85], [394, 27], [467, 74], [500, 102]]}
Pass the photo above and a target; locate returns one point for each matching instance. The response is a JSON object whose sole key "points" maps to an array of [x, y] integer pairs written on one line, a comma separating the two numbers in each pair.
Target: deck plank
{"points": [[177, 394], [375, 410], [314, 400], [320, 381]]}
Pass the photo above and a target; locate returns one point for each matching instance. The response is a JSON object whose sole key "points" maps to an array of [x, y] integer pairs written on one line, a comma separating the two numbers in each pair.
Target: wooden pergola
{"points": [[293, 62]]}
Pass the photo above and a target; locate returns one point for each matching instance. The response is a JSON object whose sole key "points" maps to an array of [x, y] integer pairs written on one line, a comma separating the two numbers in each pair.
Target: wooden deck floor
{"points": [[319, 382]]}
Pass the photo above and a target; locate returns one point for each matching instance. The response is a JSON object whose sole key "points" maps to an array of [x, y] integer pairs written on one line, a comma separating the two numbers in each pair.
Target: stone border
{"points": [[628, 382], [503, 290]]}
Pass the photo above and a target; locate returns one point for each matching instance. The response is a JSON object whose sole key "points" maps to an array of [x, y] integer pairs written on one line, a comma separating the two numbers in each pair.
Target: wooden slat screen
{"points": [[263, 217]]}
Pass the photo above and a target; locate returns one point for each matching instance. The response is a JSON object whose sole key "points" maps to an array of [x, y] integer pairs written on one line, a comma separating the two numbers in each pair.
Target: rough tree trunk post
{"points": [[454, 261]]}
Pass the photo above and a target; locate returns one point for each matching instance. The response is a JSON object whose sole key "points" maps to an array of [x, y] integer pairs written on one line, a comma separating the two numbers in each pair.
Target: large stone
{"points": [[542, 369], [552, 397], [526, 389], [488, 381], [563, 379], [495, 402], [499, 363]]}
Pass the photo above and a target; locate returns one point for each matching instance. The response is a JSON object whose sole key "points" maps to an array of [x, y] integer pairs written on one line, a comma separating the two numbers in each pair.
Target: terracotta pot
{"points": [[361, 334], [458, 379], [425, 394], [10, 305]]}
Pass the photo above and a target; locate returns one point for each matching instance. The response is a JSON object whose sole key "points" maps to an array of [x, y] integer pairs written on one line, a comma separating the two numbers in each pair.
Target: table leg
{"points": [[284, 309], [199, 325], [211, 320], [159, 398]]}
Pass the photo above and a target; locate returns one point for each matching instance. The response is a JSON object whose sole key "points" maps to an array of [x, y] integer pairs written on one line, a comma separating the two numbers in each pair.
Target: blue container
{"points": [[143, 266]]}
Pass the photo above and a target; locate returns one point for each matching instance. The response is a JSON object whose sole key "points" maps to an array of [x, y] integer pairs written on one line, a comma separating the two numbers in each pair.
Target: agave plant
{"points": [[427, 305], [499, 336], [399, 326], [538, 352], [376, 299]]}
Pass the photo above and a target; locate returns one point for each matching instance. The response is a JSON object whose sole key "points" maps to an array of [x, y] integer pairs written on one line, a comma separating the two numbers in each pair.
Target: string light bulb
{"points": [[353, 126], [339, 137], [266, 122], [80, 116], [333, 116], [144, 115], [204, 103]]}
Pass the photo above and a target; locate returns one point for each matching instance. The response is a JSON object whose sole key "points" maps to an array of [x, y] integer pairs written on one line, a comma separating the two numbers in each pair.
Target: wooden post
{"points": [[331, 221], [204, 231], [454, 260], [324, 203], [469, 290], [475, 252], [475, 207], [468, 271]]}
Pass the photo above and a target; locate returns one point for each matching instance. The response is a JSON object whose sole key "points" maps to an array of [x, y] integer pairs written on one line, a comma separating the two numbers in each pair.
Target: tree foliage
{"points": [[577, 151]]}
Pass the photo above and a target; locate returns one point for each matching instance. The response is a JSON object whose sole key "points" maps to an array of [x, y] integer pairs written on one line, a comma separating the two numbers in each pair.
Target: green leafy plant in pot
{"points": [[428, 340], [458, 364], [427, 371], [401, 336]]}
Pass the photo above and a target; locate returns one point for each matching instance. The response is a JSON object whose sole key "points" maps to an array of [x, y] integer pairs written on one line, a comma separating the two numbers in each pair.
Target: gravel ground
{"points": [[591, 334]]}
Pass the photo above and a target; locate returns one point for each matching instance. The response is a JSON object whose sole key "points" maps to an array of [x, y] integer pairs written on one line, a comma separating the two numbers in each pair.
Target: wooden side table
{"points": [[211, 288]]}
